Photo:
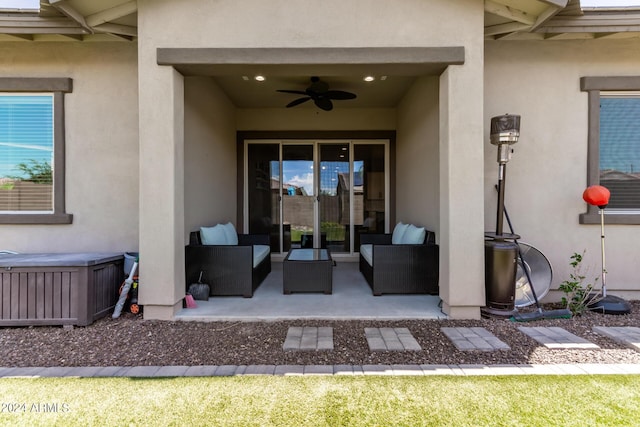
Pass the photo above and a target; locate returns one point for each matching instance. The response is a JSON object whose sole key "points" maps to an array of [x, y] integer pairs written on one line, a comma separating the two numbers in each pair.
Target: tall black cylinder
{"points": [[500, 274]]}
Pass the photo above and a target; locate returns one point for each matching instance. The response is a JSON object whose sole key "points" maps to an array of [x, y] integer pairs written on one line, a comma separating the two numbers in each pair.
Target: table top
{"points": [[308, 255]]}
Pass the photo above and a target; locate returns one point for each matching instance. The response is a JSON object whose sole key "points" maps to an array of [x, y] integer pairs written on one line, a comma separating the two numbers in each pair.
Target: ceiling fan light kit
{"points": [[319, 93]]}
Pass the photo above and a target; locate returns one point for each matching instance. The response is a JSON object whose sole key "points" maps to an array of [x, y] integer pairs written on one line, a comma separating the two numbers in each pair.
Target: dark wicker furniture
{"points": [[307, 270], [227, 269], [401, 268]]}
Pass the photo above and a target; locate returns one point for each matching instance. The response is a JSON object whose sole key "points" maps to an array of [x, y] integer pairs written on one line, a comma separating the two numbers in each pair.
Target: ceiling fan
{"points": [[319, 92]]}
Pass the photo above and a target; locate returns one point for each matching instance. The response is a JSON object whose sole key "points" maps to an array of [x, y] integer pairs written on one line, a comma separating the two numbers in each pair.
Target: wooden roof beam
{"points": [[69, 11], [112, 14], [117, 29], [27, 37], [511, 27], [508, 12], [548, 13]]}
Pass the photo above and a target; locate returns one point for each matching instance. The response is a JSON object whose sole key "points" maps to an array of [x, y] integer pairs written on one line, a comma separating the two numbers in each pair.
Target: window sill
{"points": [[617, 218], [58, 218]]}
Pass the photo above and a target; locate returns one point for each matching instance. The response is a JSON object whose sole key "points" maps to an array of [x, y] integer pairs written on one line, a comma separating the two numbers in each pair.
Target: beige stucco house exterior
{"points": [[156, 111]]}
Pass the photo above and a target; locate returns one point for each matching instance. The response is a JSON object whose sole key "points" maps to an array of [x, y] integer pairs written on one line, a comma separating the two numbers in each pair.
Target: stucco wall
{"points": [[101, 120], [547, 173], [288, 23], [314, 119], [418, 177], [210, 155]]}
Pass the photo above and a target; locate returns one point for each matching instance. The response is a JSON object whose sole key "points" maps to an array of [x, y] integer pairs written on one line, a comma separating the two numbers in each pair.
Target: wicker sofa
{"points": [[392, 265], [230, 268]]}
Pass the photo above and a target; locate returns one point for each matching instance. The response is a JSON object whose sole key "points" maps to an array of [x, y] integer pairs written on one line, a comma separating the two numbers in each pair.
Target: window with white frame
{"points": [[32, 150], [614, 146]]}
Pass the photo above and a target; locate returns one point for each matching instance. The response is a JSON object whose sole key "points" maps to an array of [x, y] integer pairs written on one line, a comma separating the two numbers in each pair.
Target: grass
{"points": [[323, 401], [335, 232]]}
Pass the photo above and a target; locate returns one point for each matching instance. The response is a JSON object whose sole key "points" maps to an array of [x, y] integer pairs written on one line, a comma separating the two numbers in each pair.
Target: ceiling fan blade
{"points": [[339, 94], [297, 92], [324, 103], [297, 102]]}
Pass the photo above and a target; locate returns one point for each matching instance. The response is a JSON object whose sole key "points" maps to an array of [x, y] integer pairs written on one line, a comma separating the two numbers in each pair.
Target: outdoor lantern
{"points": [[597, 195]]}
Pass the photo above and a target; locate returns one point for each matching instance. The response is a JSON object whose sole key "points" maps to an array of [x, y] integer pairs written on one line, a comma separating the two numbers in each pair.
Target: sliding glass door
{"points": [[298, 194], [316, 193], [335, 196], [263, 192]]}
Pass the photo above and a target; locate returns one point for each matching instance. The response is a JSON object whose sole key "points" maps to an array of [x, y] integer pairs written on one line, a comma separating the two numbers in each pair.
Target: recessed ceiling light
{"points": [[369, 78], [245, 78], [260, 78], [383, 77]]}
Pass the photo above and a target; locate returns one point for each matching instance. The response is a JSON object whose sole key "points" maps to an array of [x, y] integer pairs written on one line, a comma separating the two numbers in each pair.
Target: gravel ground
{"points": [[131, 341]]}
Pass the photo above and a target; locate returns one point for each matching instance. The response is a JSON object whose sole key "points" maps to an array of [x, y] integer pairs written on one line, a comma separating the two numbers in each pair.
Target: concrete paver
{"points": [[141, 371], [171, 371], [343, 369], [556, 337], [318, 370], [391, 339], [201, 371], [626, 335], [473, 339], [288, 370], [260, 370], [308, 338], [419, 370]]}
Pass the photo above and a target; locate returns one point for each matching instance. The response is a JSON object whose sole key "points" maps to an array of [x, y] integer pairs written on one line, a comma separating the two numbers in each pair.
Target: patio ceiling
{"points": [[116, 20]]}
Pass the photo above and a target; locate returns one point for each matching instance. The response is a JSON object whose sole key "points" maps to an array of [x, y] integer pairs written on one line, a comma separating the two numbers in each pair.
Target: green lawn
{"points": [[323, 401]]}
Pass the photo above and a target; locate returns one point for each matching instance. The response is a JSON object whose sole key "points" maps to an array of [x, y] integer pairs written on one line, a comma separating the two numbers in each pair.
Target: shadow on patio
{"points": [[351, 299]]}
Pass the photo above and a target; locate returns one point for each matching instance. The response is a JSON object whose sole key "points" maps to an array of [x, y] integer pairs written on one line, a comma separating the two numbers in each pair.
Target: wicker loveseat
{"points": [[400, 263], [232, 265]]}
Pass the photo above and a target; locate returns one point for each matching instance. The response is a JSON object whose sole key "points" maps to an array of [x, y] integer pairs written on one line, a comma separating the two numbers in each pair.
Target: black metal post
{"points": [[500, 211]]}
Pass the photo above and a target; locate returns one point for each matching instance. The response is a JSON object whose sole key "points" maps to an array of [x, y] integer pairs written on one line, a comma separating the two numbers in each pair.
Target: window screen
{"points": [[620, 148], [26, 153]]}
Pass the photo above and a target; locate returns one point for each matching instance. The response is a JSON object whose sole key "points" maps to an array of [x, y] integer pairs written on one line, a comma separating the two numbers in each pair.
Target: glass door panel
{"points": [[335, 198], [264, 191], [298, 196], [286, 199], [369, 190]]}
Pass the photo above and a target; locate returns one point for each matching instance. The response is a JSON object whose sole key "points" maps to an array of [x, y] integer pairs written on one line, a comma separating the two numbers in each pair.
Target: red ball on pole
{"points": [[597, 195]]}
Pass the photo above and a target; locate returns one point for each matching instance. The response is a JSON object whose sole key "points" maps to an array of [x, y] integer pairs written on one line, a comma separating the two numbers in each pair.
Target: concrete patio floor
{"points": [[351, 300]]}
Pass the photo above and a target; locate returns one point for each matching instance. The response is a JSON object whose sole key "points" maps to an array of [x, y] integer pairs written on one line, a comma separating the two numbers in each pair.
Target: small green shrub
{"points": [[38, 171], [578, 295]]}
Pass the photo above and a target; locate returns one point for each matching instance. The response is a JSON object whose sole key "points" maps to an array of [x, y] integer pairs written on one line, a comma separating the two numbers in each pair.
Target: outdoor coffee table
{"points": [[307, 270]]}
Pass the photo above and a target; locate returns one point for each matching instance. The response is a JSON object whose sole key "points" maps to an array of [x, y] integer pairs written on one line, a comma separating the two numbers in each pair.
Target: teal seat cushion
{"points": [[213, 235], [367, 253], [260, 252]]}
